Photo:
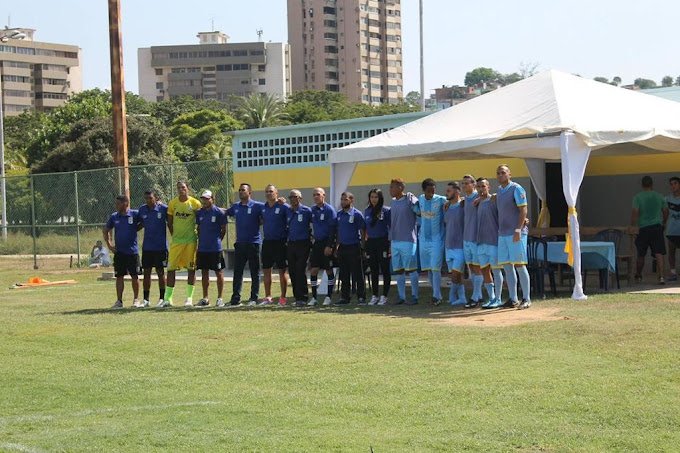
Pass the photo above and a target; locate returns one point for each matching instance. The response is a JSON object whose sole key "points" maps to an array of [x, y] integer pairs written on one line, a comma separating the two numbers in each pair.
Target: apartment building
{"points": [[214, 69], [36, 75], [350, 46]]}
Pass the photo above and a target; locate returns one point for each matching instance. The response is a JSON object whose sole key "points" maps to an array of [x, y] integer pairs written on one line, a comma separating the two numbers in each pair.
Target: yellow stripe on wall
{"points": [[368, 174], [632, 165]]}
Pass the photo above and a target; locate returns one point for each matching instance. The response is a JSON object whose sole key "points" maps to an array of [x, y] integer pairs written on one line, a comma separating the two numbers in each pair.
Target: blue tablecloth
{"points": [[594, 255]]}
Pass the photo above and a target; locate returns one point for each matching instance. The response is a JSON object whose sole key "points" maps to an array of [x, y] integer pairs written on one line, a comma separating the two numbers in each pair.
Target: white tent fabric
{"points": [[528, 120]]}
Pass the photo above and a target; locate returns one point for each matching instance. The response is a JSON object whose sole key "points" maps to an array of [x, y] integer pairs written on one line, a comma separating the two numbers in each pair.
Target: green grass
{"points": [[79, 377]]}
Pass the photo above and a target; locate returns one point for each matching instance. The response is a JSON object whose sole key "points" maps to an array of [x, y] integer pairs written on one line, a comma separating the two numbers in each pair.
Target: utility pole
{"points": [[118, 94], [422, 62]]}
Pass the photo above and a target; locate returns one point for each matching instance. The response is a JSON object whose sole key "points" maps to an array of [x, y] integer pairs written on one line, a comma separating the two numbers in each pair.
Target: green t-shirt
{"points": [[649, 204]]}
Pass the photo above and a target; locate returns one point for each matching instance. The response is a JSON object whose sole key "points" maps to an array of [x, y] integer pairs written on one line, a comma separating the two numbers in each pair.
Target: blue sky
{"points": [[591, 38]]}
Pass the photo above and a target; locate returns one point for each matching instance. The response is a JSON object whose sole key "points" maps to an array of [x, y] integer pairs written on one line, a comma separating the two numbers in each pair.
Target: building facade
{"points": [[349, 46], [214, 69], [36, 75]]}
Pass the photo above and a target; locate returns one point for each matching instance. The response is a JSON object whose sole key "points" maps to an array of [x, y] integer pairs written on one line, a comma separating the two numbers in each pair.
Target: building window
{"points": [[257, 52], [330, 23], [261, 67], [330, 49], [261, 82], [240, 53], [159, 71], [159, 85]]}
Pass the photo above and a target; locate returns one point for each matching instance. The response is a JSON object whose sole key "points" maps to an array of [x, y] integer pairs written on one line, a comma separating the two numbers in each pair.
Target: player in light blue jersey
{"points": [[470, 240], [487, 244], [430, 208], [511, 200], [403, 239]]}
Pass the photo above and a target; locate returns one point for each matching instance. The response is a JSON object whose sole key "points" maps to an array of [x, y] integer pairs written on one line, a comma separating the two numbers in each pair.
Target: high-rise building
{"points": [[36, 75], [214, 69], [350, 46]]}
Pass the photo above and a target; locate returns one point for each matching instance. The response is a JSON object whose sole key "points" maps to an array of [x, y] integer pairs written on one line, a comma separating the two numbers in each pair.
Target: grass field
{"points": [[603, 375]]}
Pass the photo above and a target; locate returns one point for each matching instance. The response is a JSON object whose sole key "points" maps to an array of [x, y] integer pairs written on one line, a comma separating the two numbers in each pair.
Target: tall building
{"points": [[214, 69], [36, 75], [350, 46]]}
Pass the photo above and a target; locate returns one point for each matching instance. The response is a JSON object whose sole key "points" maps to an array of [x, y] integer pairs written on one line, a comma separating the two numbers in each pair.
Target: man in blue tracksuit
{"points": [[350, 233]]}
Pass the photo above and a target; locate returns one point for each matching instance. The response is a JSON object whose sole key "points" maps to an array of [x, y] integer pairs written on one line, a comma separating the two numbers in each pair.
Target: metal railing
{"points": [[59, 212]]}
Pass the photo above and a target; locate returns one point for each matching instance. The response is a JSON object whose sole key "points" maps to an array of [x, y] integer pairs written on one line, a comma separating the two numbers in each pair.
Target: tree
{"points": [[412, 99], [644, 84], [168, 110], [89, 145], [601, 79], [262, 110], [527, 69], [677, 81], [667, 81], [616, 81], [481, 75], [508, 79], [201, 135]]}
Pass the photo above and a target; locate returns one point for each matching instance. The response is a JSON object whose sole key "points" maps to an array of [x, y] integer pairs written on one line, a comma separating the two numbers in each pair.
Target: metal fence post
{"points": [[33, 232], [75, 191]]}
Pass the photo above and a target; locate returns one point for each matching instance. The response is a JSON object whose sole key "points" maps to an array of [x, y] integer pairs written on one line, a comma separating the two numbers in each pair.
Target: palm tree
{"points": [[262, 110]]}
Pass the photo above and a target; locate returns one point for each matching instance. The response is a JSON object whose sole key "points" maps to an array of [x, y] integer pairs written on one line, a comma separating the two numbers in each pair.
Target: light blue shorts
{"points": [[510, 252], [470, 251], [404, 256], [455, 260], [431, 255], [487, 255]]}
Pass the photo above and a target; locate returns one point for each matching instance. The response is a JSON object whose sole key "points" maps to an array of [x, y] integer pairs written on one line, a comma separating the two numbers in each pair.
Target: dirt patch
{"points": [[501, 318]]}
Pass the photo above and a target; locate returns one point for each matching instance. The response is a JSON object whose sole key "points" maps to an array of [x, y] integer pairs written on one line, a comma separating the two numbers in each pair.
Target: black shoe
{"points": [[400, 302], [361, 302], [234, 302], [525, 304], [471, 304], [436, 302], [510, 304], [300, 303], [203, 303], [341, 302]]}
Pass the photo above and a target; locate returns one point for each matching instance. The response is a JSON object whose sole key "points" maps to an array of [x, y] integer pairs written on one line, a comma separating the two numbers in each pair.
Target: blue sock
{"points": [[498, 283], [401, 286], [490, 291], [414, 284], [436, 285], [461, 294], [524, 282], [453, 293], [511, 278], [477, 282]]}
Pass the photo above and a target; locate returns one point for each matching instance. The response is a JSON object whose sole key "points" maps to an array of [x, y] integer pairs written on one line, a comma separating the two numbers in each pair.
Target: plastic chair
{"points": [[538, 266]]}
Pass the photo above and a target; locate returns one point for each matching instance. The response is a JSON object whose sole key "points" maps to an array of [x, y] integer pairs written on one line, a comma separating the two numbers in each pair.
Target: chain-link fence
{"points": [[63, 213]]}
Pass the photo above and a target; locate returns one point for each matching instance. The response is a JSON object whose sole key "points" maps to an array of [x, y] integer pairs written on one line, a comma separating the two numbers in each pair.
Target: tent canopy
{"points": [[550, 116], [602, 116]]}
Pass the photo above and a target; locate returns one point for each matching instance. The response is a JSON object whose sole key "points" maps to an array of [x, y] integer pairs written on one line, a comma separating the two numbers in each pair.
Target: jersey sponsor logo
{"points": [[183, 215], [130, 220], [299, 217], [250, 210], [213, 219], [159, 215], [277, 210], [351, 218]]}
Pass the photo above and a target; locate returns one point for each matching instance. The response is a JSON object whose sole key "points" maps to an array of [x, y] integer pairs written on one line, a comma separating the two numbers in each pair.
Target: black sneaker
{"points": [[235, 303], [510, 304], [203, 303], [400, 302], [118, 305], [524, 305], [436, 302], [300, 303], [341, 302], [362, 302], [471, 304]]}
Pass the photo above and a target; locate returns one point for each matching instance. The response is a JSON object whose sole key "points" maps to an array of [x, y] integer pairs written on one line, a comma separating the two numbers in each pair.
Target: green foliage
{"points": [[200, 135], [667, 81], [644, 83], [169, 110], [262, 110], [481, 75], [601, 79]]}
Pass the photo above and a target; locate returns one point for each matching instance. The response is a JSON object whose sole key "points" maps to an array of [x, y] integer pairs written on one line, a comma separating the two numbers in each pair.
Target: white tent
{"points": [[550, 116]]}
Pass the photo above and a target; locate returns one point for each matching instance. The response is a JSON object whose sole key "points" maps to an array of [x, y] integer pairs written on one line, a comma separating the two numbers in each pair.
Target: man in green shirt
{"points": [[649, 215]]}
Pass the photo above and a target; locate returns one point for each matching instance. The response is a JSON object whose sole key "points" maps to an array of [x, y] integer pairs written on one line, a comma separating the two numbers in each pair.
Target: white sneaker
{"points": [[163, 303], [137, 304], [146, 303], [373, 301], [220, 303], [267, 301], [312, 302], [252, 303], [327, 302], [188, 303], [382, 301]]}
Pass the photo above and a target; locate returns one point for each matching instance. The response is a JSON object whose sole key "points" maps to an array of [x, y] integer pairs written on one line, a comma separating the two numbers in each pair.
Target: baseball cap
{"points": [[206, 194]]}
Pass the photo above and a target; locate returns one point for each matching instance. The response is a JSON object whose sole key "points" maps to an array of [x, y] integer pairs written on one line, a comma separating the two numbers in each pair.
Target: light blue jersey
{"points": [[431, 218], [673, 225], [508, 200]]}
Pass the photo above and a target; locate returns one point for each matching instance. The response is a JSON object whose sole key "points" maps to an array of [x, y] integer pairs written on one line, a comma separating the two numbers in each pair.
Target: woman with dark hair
{"points": [[378, 244]]}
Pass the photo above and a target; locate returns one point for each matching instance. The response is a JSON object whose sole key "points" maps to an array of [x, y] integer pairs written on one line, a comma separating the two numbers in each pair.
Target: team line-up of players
{"points": [[469, 226]]}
